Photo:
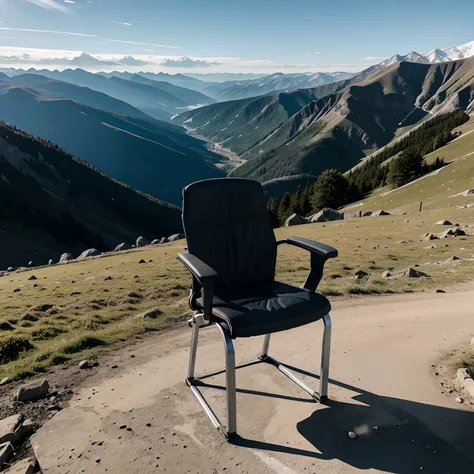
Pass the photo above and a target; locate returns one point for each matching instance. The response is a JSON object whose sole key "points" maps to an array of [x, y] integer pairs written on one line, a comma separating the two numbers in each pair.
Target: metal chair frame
{"points": [[198, 321]]}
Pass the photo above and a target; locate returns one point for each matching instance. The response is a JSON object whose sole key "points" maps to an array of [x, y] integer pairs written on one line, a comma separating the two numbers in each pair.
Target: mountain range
{"points": [[57, 203], [334, 125], [150, 155]]}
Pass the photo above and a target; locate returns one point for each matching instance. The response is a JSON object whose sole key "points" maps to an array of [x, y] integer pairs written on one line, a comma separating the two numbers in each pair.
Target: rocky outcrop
{"points": [[380, 213], [327, 214], [89, 253], [66, 257], [175, 237], [142, 242], [295, 219], [122, 246]]}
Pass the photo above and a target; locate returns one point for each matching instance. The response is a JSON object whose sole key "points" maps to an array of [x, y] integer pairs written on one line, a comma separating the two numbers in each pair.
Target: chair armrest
{"points": [[203, 283], [320, 253], [197, 267], [322, 249]]}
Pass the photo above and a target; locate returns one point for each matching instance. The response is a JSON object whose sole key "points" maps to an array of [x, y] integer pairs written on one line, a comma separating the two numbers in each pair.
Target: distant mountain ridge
{"points": [[334, 125], [57, 203], [152, 156]]}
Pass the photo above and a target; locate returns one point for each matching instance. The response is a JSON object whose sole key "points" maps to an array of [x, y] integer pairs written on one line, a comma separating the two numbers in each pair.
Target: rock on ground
{"points": [[380, 213], [155, 241], [152, 313], [122, 246], [175, 237], [295, 219], [164, 240], [367, 214], [360, 274], [453, 232], [3, 273], [66, 257], [353, 215], [32, 391], [89, 253], [409, 272], [6, 452], [326, 215], [10, 429], [430, 236], [50, 261], [142, 242], [25, 466], [444, 222]]}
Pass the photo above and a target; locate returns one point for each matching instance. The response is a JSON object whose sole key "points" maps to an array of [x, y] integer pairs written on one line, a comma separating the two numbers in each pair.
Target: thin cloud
{"points": [[310, 54], [142, 44], [124, 23], [69, 1], [52, 32], [50, 5]]}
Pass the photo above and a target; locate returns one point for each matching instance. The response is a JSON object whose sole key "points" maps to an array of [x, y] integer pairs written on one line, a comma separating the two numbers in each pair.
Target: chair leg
{"points": [[325, 358], [230, 382], [193, 351], [266, 344]]}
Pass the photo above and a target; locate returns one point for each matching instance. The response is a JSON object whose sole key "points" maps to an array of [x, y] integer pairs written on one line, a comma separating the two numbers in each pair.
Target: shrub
{"points": [[44, 334], [82, 344], [11, 348]]}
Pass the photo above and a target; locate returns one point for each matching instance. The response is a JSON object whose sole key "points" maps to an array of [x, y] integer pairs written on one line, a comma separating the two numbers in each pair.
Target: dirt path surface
{"points": [[141, 418]]}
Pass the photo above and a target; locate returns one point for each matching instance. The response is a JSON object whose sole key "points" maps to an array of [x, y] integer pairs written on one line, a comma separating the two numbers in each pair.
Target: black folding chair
{"points": [[232, 258]]}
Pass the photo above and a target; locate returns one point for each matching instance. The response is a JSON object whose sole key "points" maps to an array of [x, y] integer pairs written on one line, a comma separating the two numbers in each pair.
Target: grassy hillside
{"points": [[54, 203], [438, 190], [152, 156]]}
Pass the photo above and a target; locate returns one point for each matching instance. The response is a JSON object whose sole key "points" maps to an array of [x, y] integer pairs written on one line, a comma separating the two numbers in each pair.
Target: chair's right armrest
{"points": [[203, 278]]}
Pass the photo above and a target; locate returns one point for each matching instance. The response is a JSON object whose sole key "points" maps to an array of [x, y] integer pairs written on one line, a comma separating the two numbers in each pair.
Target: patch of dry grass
{"points": [[87, 310]]}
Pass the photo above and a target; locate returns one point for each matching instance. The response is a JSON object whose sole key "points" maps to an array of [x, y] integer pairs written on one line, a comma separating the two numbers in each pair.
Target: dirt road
{"points": [[140, 417]]}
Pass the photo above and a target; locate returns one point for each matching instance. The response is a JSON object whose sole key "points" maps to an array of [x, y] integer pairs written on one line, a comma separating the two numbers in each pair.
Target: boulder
{"points": [[367, 214], [409, 272], [453, 232], [295, 219], [32, 278], [32, 391], [430, 236], [122, 246], [152, 313], [468, 192], [351, 216], [142, 242], [164, 240], [66, 257], [386, 274], [89, 253], [327, 214], [380, 213], [156, 242], [10, 429], [175, 237], [50, 261], [445, 222], [3, 273], [85, 364], [11, 269]]}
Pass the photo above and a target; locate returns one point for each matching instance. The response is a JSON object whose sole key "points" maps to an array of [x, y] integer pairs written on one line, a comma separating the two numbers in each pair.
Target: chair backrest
{"points": [[227, 226]]}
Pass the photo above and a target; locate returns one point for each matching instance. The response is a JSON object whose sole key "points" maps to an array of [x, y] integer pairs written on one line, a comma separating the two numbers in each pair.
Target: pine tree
{"points": [[284, 209], [404, 168], [295, 202], [273, 211], [331, 190]]}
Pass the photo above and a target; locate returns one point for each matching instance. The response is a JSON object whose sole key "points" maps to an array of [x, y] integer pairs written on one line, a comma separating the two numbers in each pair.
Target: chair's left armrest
{"points": [[320, 253], [205, 276]]}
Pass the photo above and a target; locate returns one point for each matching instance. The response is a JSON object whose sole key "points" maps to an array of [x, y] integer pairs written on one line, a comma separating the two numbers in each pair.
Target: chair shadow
{"points": [[392, 435]]}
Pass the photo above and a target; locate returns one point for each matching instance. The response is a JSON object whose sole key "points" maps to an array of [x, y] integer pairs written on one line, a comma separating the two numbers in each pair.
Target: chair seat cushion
{"points": [[263, 311]]}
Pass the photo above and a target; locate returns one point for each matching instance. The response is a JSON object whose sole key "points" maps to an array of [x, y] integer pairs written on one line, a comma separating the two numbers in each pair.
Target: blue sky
{"points": [[239, 34]]}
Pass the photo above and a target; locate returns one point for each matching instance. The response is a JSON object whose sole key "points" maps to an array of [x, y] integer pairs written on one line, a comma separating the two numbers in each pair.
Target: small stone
{"points": [[114, 367], [108, 278], [152, 313], [360, 274], [4, 381], [16, 290], [459, 400], [386, 274], [50, 261], [440, 291], [352, 435], [54, 407], [31, 264], [122, 427], [32, 277], [142, 261], [85, 364], [148, 424]]}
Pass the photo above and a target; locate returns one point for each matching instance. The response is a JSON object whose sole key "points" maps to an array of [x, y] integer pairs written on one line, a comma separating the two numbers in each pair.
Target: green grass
{"points": [[89, 312]]}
